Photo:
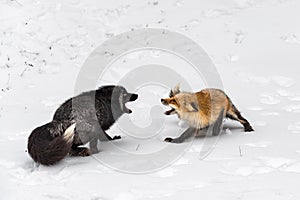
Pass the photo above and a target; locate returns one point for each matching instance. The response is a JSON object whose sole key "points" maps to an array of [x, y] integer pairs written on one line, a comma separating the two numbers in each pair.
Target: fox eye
{"points": [[174, 102], [194, 106]]}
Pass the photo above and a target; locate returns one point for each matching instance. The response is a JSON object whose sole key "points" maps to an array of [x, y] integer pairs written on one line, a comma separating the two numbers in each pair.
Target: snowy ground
{"points": [[255, 45]]}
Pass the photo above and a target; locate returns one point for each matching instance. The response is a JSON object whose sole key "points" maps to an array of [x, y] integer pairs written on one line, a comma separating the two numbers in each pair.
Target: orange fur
{"points": [[202, 109]]}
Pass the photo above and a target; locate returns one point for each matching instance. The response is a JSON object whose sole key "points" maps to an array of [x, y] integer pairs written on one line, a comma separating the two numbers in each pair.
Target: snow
{"points": [[255, 46]]}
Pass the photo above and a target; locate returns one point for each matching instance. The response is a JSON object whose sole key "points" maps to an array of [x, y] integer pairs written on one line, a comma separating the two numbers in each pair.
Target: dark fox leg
{"points": [[218, 125], [83, 151], [91, 130], [76, 150], [93, 146], [85, 132], [105, 137], [190, 132], [215, 130], [234, 114], [116, 137]]}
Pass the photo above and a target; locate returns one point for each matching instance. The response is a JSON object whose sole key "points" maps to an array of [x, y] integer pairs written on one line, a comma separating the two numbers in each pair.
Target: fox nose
{"points": [[133, 97], [161, 100]]}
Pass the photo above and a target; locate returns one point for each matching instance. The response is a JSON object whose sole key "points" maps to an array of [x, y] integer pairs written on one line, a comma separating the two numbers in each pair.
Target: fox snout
{"points": [[133, 97], [164, 101]]}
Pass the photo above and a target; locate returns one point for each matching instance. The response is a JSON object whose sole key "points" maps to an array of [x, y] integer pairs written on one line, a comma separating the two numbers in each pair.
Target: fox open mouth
{"points": [[126, 110], [133, 97]]}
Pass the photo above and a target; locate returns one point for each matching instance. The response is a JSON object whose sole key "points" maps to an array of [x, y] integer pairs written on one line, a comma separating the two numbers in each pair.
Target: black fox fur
{"points": [[50, 143], [79, 120]]}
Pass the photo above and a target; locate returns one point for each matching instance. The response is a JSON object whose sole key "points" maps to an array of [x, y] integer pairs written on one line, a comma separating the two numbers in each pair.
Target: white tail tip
{"points": [[69, 133]]}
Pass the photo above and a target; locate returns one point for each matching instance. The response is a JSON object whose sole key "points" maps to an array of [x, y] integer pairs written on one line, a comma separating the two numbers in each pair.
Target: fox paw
{"points": [[168, 139], [116, 137], [94, 151], [82, 152], [248, 128]]}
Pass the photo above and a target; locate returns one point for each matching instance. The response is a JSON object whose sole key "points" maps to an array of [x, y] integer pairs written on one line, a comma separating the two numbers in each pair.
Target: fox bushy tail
{"points": [[47, 151]]}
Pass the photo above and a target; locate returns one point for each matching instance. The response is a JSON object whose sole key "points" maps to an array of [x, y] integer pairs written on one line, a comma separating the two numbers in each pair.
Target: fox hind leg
{"points": [[80, 151], [234, 114]]}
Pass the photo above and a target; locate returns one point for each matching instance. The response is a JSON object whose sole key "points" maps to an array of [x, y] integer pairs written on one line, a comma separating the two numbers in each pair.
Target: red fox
{"points": [[202, 109]]}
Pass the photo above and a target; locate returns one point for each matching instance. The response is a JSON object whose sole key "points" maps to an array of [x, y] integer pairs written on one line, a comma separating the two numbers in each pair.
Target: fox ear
{"points": [[175, 91], [171, 94], [193, 107]]}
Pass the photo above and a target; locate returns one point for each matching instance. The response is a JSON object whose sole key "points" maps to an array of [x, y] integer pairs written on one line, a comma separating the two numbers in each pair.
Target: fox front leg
{"points": [[190, 132], [105, 137], [94, 146]]}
